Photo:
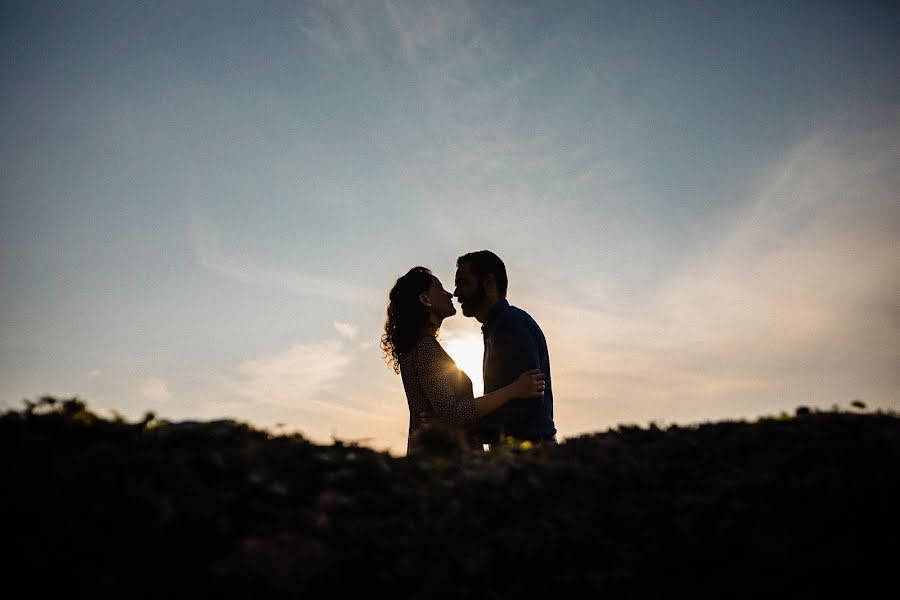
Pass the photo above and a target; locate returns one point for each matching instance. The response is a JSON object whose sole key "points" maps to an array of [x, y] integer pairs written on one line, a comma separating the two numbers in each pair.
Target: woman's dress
{"points": [[435, 385]]}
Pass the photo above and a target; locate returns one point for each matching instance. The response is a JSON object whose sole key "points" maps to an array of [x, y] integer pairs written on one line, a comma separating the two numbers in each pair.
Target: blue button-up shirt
{"points": [[513, 344]]}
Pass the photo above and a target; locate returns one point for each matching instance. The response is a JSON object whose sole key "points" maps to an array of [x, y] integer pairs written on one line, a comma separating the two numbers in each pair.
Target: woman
{"points": [[433, 383]]}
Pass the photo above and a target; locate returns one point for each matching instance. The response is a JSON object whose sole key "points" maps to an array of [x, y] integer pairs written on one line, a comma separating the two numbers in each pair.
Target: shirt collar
{"points": [[492, 315]]}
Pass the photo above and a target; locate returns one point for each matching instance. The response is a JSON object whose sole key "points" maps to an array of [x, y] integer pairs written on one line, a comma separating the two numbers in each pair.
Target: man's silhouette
{"points": [[513, 344]]}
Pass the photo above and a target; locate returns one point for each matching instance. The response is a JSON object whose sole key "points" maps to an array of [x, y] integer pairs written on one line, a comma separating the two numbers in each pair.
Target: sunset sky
{"points": [[204, 204]]}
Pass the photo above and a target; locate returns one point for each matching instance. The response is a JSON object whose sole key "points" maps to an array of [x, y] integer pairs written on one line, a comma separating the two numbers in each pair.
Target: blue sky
{"points": [[204, 204]]}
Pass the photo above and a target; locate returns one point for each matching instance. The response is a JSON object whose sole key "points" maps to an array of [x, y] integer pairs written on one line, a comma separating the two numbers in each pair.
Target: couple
{"points": [[518, 398]]}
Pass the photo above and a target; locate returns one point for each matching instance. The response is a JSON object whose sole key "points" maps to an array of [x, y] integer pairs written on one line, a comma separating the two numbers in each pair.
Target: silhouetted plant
{"points": [[789, 506]]}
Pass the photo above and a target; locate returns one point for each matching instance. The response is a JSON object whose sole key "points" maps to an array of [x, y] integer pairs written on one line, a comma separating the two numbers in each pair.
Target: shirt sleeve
{"points": [[447, 389]]}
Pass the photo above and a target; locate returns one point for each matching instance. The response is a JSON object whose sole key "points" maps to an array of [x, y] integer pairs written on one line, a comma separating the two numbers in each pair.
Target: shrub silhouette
{"points": [[792, 506]]}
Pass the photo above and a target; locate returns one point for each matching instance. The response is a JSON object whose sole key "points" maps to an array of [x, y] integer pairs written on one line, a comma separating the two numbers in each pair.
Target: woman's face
{"points": [[440, 299]]}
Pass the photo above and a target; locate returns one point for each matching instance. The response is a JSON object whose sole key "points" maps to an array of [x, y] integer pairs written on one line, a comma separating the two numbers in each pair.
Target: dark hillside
{"points": [[806, 506]]}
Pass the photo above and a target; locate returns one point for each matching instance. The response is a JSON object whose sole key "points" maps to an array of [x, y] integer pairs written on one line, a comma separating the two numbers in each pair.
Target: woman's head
{"points": [[417, 304]]}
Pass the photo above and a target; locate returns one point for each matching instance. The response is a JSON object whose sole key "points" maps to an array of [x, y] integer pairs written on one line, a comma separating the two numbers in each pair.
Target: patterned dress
{"points": [[434, 384]]}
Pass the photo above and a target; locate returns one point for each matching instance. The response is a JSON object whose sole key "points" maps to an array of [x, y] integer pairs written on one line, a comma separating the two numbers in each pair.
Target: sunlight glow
{"points": [[467, 351]]}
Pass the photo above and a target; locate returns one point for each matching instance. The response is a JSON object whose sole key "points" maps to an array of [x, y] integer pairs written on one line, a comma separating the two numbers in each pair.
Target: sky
{"points": [[204, 204]]}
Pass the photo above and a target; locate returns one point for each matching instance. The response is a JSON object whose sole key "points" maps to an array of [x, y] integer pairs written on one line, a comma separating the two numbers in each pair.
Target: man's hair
{"points": [[485, 262]]}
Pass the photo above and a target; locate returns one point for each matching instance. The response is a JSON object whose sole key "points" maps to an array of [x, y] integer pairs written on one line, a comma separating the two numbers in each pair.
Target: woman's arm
{"points": [[530, 384], [441, 382]]}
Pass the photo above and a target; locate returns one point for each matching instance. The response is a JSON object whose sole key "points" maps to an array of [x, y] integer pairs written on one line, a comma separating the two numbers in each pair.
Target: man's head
{"points": [[480, 282]]}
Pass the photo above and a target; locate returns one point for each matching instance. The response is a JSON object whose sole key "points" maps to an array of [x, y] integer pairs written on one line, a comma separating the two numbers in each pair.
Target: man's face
{"points": [[469, 290]]}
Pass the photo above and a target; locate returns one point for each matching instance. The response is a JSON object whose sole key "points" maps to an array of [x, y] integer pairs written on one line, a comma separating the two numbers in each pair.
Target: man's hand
{"points": [[530, 384]]}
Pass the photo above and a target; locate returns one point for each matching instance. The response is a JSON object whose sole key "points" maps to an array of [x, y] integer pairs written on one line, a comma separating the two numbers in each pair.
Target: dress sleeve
{"points": [[447, 389]]}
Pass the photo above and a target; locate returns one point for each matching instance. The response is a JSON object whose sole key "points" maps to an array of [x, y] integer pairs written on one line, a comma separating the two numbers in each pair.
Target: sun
{"points": [[467, 351]]}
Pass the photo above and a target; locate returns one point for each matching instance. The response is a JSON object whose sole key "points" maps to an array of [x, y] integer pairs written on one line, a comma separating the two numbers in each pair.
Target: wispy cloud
{"points": [[810, 262], [424, 26], [210, 253], [342, 27], [482, 120], [797, 304], [155, 390], [346, 330], [336, 26], [310, 388], [295, 376]]}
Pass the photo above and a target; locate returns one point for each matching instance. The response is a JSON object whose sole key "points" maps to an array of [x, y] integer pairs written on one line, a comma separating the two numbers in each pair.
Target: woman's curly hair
{"points": [[406, 316]]}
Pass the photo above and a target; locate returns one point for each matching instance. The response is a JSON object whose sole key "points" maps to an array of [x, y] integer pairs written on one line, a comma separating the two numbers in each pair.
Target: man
{"points": [[513, 344]]}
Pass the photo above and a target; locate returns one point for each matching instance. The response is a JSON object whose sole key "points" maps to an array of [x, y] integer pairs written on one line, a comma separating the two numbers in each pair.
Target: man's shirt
{"points": [[513, 344]]}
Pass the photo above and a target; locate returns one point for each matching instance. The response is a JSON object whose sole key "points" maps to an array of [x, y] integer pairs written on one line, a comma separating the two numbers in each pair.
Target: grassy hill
{"points": [[800, 506]]}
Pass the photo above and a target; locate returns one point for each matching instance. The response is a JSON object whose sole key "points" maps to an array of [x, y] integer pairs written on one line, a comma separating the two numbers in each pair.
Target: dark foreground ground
{"points": [[801, 506]]}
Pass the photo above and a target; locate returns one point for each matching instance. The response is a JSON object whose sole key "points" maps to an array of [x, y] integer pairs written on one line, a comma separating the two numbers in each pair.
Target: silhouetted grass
{"points": [[801, 506]]}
